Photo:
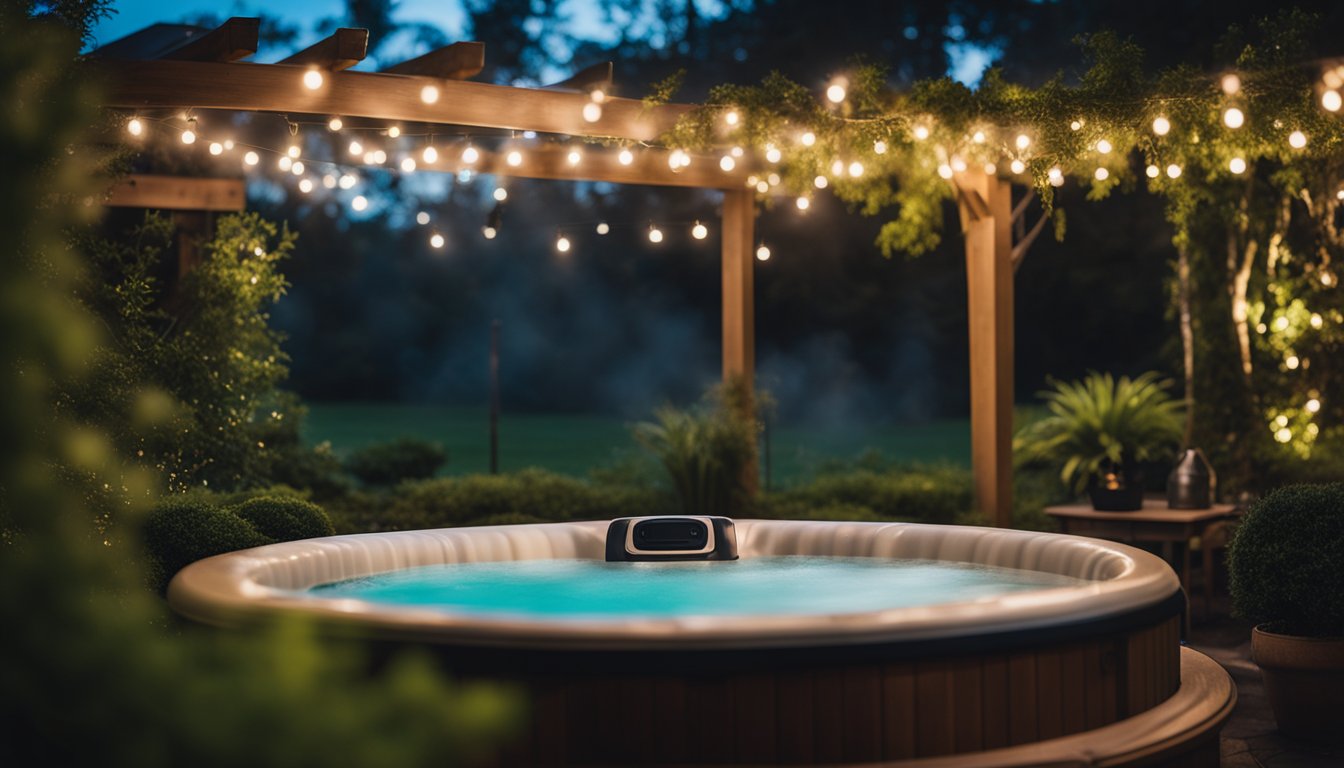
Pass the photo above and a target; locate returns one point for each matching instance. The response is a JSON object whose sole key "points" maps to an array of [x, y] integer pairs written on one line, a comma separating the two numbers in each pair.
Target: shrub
{"points": [[934, 494], [395, 461], [1286, 561], [285, 518], [507, 518], [793, 509], [181, 531]]}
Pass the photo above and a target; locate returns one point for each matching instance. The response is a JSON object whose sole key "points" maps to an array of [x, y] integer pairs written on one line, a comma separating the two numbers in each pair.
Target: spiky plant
{"points": [[1102, 422], [705, 450]]}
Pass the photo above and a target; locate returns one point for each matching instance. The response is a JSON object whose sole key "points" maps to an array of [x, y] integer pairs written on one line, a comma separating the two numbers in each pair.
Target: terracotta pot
{"points": [[1304, 679]]}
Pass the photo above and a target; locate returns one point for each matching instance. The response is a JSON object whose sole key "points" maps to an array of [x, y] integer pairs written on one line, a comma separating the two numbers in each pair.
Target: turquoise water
{"points": [[588, 589]]}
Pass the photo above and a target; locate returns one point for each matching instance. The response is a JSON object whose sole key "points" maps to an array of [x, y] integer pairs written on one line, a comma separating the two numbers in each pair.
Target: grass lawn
{"points": [[574, 443]]}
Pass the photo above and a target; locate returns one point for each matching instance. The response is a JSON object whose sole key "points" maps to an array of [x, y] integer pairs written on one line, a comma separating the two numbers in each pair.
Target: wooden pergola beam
{"points": [[234, 39], [739, 302], [588, 78], [343, 49], [458, 61], [177, 193], [269, 88]]}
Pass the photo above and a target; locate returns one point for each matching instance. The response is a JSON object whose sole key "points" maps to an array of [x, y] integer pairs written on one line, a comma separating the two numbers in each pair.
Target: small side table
{"points": [[1156, 522]]}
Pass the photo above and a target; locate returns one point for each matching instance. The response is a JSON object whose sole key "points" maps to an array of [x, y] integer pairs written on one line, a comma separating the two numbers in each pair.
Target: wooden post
{"points": [[985, 203], [739, 303]]}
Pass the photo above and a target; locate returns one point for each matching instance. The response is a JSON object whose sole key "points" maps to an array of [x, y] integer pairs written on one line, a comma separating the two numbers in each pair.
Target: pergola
{"points": [[170, 67]]}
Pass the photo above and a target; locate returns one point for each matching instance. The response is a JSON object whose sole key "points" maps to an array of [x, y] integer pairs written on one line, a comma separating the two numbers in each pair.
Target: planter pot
{"points": [[1117, 490], [1304, 679]]}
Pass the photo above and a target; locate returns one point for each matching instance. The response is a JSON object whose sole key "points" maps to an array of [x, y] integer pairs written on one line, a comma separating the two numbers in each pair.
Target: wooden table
{"points": [[1156, 522]]}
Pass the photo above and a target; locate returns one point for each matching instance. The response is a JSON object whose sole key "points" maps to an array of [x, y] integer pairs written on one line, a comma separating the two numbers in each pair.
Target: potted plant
{"points": [[1286, 573], [1100, 430]]}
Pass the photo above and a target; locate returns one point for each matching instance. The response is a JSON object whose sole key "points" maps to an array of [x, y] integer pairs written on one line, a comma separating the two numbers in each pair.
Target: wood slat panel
{"points": [[1049, 696], [342, 49], [863, 713], [795, 706], [967, 695], [234, 39], [754, 707], [1022, 699], [1074, 682], [1094, 686], [458, 61], [829, 714], [898, 711], [711, 731], [994, 694], [588, 78], [672, 719], [177, 193], [934, 725], [550, 722]]}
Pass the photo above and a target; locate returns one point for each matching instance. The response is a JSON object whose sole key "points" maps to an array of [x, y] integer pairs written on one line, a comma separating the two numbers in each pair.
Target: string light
{"points": [[335, 124], [408, 164], [1332, 101], [394, 132], [430, 155], [347, 181], [1317, 321], [1153, 171], [808, 138], [284, 163], [514, 158], [837, 167], [489, 232], [773, 179], [772, 153], [678, 159], [762, 253], [803, 203], [1017, 166], [991, 169], [293, 151], [216, 148], [1076, 125], [880, 147], [296, 168], [820, 182], [1102, 174], [1233, 117], [597, 95], [1284, 435], [762, 186], [1104, 147], [856, 169], [1056, 176], [1174, 171], [1023, 141], [592, 112], [737, 152], [422, 218], [251, 158], [978, 137], [655, 234], [501, 194], [1231, 84], [562, 244], [312, 79], [1161, 126], [958, 164], [470, 155], [305, 186], [1297, 140], [731, 117], [945, 171], [379, 156], [436, 240], [429, 94], [626, 157], [1237, 165], [329, 181], [1292, 363], [359, 202], [1313, 405], [921, 132], [188, 135], [135, 126], [835, 93], [699, 231], [603, 228], [574, 157], [228, 144]]}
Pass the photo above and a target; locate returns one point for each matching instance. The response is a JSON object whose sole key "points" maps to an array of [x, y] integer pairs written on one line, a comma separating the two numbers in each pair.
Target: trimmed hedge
{"points": [[285, 518], [1286, 562], [933, 494], [396, 461], [181, 531]]}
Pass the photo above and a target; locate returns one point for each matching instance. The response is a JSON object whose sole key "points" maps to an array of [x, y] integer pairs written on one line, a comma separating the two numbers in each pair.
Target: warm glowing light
{"points": [[1153, 171], [379, 156], [1056, 177], [436, 240], [856, 169], [978, 137], [1283, 435], [359, 203], [803, 203], [762, 186], [489, 232], [1281, 323], [763, 253], [1231, 84], [991, 169], [1291, 362], [1023, 141], [501, 194], [1297, 139], [188, 136], [1174, 171], [1102, 174], [297, 168], [1313, 405], [772, 154], [347, 181], [603, 228], [678, 159], [597, 95], [422, 218], [921, 132], [329, 181], [773, 179], [305, 185], [135, 126], [592, 112], [470, 155], [880, 147], [699, 231], [284, 163], [1104, 147], [1332, 101], [228, 143], [835, 93], [1017, 166], [251, 158], [408, 164], [1237, 165], [655, 235], [1161, 126], [808, 139], [1316, 320], [293, 151], [958, 164], [945, 171], [837, 167], [626, 157], [731, 117], [356, 148], [727, 163], [312, 79], [429, 94], [562, 244], [737, 152], [1233, 117], [1076, 125], [335, 124], [514, 158], [216, 148], [820, 182]]}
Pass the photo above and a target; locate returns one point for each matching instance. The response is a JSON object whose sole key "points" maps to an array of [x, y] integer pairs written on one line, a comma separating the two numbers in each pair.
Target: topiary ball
{"points": [[1286, 561], [179, 532], [285, 518]]}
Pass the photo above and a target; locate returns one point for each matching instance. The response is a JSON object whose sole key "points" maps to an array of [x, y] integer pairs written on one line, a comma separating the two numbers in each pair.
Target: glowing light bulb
{"points": [[429, 94], [489, 232], [430, 155], [837, 167], [135, 126], [1076, 125], [1332, 101], [312, 79], [1174, 171], [379, 156], [737, 152], [1316, 320], [347, 181], [1283, 435], [1056, 177], [329, 181], [731, 117], [188, 136], [772, 154], [991, 169], [978, 137], [436, 240], [356, 148], [1023, 141], [808, 138], [603, 228], [762, 186], [1291, 362], [626, 157], [880, 147], [1161, 126], [1231, 84], [655, 235], [305, 185], [470, 155], [1233, 117], [514, 158], [1237, 165], [335, 124], [1104, 147], [359, 202], [1297, 139], [597, 95], [422, 218], [251, 158], [1017, 166], [820, 182], [216, 148], [835, 93], [921, 132], [945, 171], [1313, 405], [228, 144], [1153, 171], [501, 194], [296, 168], [763, 253], [803, 203], [699, 231], [408, 164], [1102, 174], [293, 151], [856, 169], [562, 244], [592, 112], [958, 164], [284, 163]]}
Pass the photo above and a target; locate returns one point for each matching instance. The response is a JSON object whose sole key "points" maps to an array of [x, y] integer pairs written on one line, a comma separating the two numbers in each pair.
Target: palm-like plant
{"points": [[706, 452], [1101, 422]]}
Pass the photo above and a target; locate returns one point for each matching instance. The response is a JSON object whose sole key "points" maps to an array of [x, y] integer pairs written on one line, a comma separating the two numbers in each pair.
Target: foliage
{"points": [[181, 531], [97, 677], [1286, 561], [1101, 422], [706, 450], [921, 493], [285, 518], [392, 462]]}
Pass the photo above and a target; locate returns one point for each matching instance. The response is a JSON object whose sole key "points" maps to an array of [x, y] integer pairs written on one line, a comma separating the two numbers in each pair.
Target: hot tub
{"points": [[921, 681]]}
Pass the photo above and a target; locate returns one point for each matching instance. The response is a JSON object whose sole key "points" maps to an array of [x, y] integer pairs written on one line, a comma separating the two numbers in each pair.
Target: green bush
{"points": [[395, 461], [507, 518], [775, 508], [285, 518], [927, 494], [1286, 561], [181, 531]]}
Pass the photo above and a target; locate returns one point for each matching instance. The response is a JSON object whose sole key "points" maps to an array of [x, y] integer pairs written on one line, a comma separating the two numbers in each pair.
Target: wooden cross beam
{"points": [[598, 76], [342, 49], [176, 193], [233, 40], [458, 61]]}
